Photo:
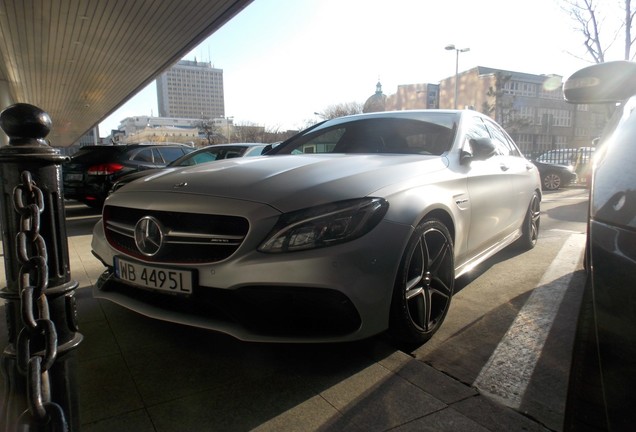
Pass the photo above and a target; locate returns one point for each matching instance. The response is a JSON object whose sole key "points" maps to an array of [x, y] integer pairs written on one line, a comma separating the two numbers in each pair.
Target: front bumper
{"points": [[333, 294]]}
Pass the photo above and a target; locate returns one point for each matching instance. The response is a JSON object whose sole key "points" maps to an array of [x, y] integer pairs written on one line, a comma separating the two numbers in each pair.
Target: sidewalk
{"points": [[138, 374]]}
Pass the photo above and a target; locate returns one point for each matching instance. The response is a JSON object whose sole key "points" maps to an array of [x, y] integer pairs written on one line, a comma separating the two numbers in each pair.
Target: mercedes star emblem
{"points": [[149, 236]]}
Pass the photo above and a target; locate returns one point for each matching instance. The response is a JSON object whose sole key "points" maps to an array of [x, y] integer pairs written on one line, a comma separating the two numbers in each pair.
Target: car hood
{"points": [[139, 174], [292, 181], [553, 166]]}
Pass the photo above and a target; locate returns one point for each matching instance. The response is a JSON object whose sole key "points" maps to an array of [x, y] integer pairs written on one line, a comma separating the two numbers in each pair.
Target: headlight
{"points": [[325, 225]]}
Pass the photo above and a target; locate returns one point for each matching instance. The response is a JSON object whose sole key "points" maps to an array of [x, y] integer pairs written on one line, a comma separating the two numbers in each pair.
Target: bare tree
{"points": [[502, 105], [341, 109], [498, 101], [629, 19], [248, 132], [274, 134], [210, 130], [601, 26]]}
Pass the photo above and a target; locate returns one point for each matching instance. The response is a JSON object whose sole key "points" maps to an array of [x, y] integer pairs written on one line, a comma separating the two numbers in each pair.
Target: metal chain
{"points": [[28, 201]]}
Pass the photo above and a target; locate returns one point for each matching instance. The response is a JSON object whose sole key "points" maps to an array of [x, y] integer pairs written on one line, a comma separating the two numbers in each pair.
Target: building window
{"points": [[551, 94], [524, 113], [554, 117], [519, 88]]}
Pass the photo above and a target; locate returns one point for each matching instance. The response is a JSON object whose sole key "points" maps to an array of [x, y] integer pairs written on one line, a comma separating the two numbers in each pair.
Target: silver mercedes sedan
{"points": [[353, 227]]}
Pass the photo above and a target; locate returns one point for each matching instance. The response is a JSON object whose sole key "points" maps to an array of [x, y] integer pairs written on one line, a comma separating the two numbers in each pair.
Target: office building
{"points": [[191, 89], [530, 107]]}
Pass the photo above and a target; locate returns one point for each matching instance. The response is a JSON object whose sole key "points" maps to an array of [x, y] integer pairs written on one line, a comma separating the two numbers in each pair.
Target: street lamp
{"points": [[452, 47], [227, 123]]}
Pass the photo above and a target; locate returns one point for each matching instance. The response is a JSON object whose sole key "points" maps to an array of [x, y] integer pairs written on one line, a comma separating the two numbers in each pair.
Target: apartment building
{"points": [[414, 96], [530, 107], [191, 89]]}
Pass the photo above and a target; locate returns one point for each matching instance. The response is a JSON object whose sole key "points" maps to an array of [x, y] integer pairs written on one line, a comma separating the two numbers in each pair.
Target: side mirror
{"points": [[266, 149], [465, 157], [601, 83], [482, 148]]}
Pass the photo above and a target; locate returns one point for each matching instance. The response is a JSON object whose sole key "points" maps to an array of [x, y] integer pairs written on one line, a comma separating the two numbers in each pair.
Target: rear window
{"points": [[168, 154], [95, 154], [143, 155]]}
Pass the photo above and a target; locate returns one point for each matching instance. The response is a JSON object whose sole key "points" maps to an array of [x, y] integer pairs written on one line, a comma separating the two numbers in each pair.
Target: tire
{"points": [[551, 181], [531, 223], [424, 285], [585, 408]]}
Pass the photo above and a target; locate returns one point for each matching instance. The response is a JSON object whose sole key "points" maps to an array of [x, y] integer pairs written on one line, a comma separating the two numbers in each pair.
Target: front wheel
{"points": [[530, 227], [424, 285]]}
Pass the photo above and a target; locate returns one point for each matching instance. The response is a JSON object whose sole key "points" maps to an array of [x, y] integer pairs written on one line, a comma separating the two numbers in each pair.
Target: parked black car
{"points": [[554, 176], [91, 172], [602, 392], [203, 155]]}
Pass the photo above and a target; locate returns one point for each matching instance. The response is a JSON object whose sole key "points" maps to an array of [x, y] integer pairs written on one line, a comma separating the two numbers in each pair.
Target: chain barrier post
{"points": [[39, 363]]}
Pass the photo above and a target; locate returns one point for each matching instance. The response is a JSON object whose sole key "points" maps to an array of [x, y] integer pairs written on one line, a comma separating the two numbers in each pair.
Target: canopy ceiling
{"points": [[80, 60]]}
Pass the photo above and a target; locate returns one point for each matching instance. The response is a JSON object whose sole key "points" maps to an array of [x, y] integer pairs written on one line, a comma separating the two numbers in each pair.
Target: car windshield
{"points": [[209, 154], [432, 135]]}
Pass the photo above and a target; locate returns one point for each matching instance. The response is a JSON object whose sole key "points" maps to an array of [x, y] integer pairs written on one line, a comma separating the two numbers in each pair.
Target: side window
{"points": [[504, 143], [474, 129], [168, 154], [202, 158], [324, 143], [144, 155], [477, 129]]}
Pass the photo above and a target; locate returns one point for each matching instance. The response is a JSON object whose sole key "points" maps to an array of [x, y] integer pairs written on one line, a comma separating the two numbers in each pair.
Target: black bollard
{"points": [[39, 362]]}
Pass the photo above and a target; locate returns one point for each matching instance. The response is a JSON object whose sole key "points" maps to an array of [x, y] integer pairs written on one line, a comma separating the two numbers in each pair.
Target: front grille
{"points": [[188, 238]]}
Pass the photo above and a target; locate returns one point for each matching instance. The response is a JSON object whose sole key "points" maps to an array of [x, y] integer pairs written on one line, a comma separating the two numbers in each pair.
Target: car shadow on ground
{"points": [[571, 212], [466, 279], [130, 363]]}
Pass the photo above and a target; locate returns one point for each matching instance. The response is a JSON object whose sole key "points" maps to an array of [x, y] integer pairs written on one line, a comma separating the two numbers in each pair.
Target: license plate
{"points": [[73, 177], [158, 278]]}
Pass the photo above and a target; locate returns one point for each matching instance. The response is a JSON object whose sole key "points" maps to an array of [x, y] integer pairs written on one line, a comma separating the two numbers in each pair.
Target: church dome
{"points": [[376, 102]]}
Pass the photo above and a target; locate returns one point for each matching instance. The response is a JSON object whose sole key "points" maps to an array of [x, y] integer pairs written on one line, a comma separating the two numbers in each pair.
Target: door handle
{"points": [[504, 167]]}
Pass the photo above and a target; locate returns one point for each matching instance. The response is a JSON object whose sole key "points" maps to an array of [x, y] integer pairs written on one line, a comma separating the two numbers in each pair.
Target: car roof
{"points": [[402, 113], [234, 145], [119, 147], [94, 152]]}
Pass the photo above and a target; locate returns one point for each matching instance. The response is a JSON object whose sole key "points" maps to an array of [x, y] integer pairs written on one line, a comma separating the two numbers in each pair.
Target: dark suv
{"points": [[602, 392], [91, 172]]}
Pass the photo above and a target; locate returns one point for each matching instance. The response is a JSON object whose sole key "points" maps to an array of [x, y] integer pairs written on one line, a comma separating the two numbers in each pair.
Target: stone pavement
{"points": [[138, 374]]}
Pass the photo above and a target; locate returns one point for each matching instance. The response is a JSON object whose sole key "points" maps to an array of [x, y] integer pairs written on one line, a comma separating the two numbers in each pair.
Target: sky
{"points": [[284, 60]]}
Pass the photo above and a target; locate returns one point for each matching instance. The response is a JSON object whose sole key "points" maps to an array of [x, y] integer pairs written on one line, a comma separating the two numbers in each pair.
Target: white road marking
{"points": [[566, 231], [507, 373], [74, 218]]}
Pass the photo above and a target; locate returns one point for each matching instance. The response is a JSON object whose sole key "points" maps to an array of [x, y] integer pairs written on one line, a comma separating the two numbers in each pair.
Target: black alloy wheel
{"points": [[424, 285], [530, 227], [551, 181]]}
